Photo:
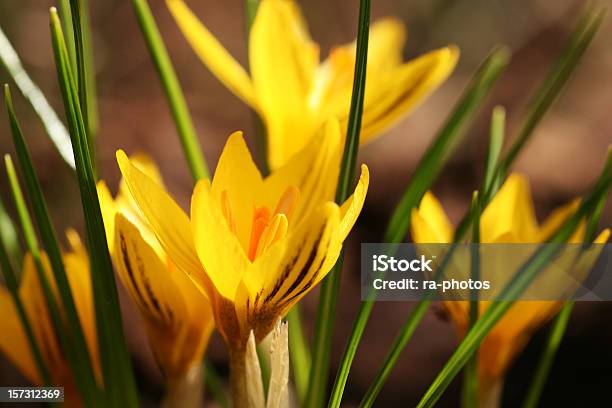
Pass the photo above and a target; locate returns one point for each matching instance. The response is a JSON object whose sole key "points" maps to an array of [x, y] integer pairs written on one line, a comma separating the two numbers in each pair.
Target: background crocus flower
{"points": [[13, 339], [255, 246], [509, 218], [295, 92], [178, 317]]}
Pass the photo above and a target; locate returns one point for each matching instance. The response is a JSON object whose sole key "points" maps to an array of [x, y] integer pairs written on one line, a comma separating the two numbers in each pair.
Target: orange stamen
{"points": [[288, 202], [261, 216], [276, 229], [267, 228]]}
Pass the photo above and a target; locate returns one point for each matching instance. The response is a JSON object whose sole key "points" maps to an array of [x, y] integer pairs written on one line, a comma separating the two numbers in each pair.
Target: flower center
{"points": [[267, 227]]}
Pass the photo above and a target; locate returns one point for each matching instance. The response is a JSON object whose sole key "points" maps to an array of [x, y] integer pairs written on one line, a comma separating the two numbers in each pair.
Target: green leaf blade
{"points": [[116, 364], [172, 89], [330, 287]]}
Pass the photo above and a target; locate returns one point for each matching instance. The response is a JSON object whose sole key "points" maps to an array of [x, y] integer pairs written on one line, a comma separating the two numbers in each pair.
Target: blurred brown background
{"points": [[565, 156]]}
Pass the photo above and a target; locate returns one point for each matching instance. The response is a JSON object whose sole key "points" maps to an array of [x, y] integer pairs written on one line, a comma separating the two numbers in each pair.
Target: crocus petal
{"points": [[313, 171], [238, 178], [76, 262], [108, 208], [283, 60], [145, 275], [144, 163], [293, 266], [13, 341], [167, 220], [212, 53], [385, 44], [510, 216], [430, 223], [31, 293], [178, 338], [333, 82], [352, 207], [510, 335], [219, 251], [403, 89]]}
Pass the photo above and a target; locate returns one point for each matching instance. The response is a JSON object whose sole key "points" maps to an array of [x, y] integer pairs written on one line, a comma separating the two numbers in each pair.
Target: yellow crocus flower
{"points": [[509, 218], [295, 93], [177, 316], [13, 340], [255, 246]]}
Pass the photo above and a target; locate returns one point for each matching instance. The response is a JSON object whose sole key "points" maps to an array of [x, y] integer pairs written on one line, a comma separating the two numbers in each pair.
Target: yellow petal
{"points": [[430, 223], [13, 341], [212, 53], [219, 251], [352, 207], [167, 220], [31, 293], [603, 236], [293, 266], [556, 219], [333, 85], [145, 275], [385, 44], [76, 263], [283, 60], [510, 335], [403, 89], [147, 165], [510, 217], [165, 299], [313, 171], [108, 208], [238, 178]]}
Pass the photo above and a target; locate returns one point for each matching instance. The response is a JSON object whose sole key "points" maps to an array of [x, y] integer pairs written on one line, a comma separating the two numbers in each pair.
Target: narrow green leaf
{"points": [[496, 141], [549, 89], [53, 125], [428, 168], [264, 366], [470, 384], [544, 97], [548, 356], [523, 278], [8, 235], [116, 365], [448, 137], [74, 342], [11, 283], [63, 8], [27, 227], [301, 359], [83, 53], [172, 88], [556, 80], [560, 323], [326, 312]]}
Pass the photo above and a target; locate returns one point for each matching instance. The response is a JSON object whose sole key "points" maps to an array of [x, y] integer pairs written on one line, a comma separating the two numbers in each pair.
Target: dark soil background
{"points": [[564, 157]]}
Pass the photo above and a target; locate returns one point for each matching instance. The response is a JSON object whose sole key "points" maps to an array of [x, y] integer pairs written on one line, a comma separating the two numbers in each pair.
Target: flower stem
{"points": [[326, 311], [185, 391], [238, 380], [172, 88]]}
